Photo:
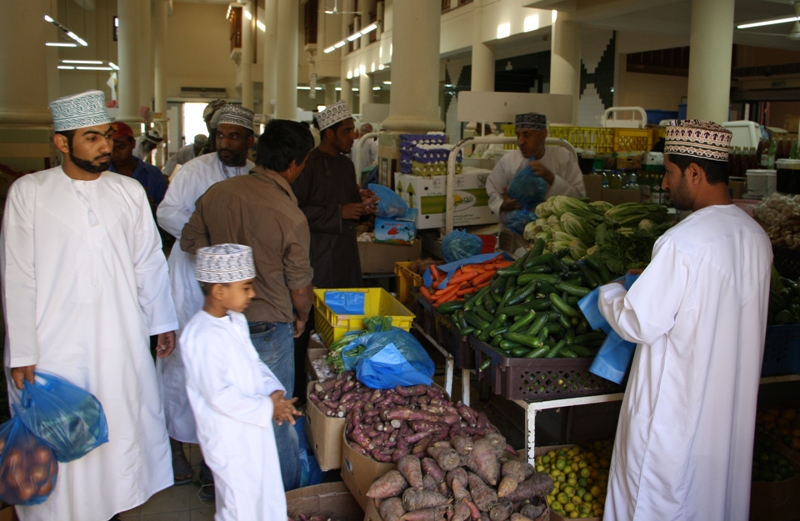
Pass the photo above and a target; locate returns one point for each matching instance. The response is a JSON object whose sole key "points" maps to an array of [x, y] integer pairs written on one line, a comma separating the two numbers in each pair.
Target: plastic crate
{"points": [[539, 379], [406, 279], [599, 140], [781, 351], [453, 342], [423, 313], [377, 302], [633, 139], [787, 262]]}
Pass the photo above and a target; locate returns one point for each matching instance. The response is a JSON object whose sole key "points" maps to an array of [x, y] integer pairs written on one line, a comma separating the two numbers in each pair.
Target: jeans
{"points": [[275, 347]]}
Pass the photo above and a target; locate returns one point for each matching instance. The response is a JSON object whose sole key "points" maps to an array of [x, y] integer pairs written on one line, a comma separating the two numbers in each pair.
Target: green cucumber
{"points": [[484, 314], [566, 352], [488, 302], [476, 298], [544, 277], [522, 294], [562, 306], [450, 307], [591, 276], [573, 290], [485, 365], [564, 321], [504, 272], [525, 340], [498, 331], [475, 320], [507, 295], [581, 351], [538, 352], [514, 311], [509, 345], [520, 352], [554, 352], [537, 325], [544, 258], [522, 322], [537, 249]]}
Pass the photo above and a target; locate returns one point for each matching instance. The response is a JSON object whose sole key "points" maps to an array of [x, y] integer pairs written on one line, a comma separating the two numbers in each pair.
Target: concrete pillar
{"points": [[288, 33], [565, 62], [246, 64], [347, 90], [160, 11], [330, 94], [711, 41], [364, 91], [23, 63], [347, 85], [366, 7], [482, 79], [270, 55], [415, 67], [129, 12], [145, 49]]}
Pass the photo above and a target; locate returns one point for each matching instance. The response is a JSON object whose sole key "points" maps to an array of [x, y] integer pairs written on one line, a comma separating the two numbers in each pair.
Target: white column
{"points": [[711, 42], [565, 62], [330, 93], [288, 33], [346, 93], [145, 49], [270, 54], [482, 79], [23, 63], [246, 65], [160, 10], [366, 7], [129, 12], [364, 91], [415, 67]]}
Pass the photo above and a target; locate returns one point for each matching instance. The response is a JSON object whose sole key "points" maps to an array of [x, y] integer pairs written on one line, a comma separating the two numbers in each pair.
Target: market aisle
{"points": [[175, 503]]}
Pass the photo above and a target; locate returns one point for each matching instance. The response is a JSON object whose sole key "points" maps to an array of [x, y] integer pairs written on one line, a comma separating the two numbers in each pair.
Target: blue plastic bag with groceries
{"points": [[388, 359]]}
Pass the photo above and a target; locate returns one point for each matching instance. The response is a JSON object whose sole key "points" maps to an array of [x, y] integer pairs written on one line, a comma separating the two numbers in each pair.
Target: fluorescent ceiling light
{"points": [[339, 44], [554, 15], [338, 88], [303, 87], [329, 49], [380, 67], [387, 82], [768, 22], [362, 70], [355, 89], [531, 23], [247, 14], [503, 30], [368, 29], [376, 88], [84, 62], [355, 72], [66, 67], [261, 26], [61, 44], [114, 66], [349, 75], [354, 36], [94, 68], [67, 31], [373, 68], [48, 19]]}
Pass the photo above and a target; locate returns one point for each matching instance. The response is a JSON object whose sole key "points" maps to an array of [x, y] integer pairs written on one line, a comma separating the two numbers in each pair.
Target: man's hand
{"points": [[352, 211], [20, 373], [509, 204], [299, 326], [370, 204], [165, 345], [539, 169], [283, 409]]}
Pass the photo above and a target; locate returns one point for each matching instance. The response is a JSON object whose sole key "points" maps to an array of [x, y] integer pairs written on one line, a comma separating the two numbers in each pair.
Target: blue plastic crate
{"points": [[781, 351]]}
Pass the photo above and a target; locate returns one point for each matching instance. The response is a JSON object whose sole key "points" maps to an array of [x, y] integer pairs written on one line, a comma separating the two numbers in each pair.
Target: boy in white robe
{"points": [[233, 394]]}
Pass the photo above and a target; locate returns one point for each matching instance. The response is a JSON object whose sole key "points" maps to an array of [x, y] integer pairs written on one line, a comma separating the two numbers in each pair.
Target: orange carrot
{"points": [[462, 277], [464, 290], [503, 264], [483, 277], [425, 293], [450, 291]]}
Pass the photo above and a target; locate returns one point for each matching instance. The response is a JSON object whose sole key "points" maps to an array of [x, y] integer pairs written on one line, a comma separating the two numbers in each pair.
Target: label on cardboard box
{"points": [[396, 231], [427, 195]]}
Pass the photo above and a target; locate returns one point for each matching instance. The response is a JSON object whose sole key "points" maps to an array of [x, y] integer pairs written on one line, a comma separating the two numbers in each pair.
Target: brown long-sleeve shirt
{"points": [[258, 210]]}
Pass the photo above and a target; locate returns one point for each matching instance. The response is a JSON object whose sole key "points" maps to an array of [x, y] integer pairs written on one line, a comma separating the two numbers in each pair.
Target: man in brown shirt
{"points": [[260, 210]]}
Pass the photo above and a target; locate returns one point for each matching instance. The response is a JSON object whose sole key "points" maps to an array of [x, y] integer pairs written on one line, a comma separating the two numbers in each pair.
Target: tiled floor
{"points": [[177, 503]]}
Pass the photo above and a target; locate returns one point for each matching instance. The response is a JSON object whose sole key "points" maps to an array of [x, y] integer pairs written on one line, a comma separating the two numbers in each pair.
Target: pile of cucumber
{"points": [[529, 310]]}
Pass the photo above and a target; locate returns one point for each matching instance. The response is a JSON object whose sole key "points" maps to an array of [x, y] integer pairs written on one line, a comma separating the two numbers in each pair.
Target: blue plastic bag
{"points": [[68, 419], [527, 188], [614, 357], [459, 244], [310, 473], [345, 302], [389, 359], [390, 203], [28, 467], [519, 219]]}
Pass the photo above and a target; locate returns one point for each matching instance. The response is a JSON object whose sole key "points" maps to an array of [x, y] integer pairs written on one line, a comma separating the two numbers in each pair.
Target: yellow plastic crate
{"points": [[406, 279], [377, 302], [633, 139], [599, 140]]}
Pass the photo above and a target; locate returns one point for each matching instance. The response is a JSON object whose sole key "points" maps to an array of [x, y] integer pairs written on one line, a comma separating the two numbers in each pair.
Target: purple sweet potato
{"points": [[411, 470], [414, 499], [426, 514], [461, 511], [483, 461], [532, 511], [463, 444], [474, 511], [382, 456], [431, 468], [501, 510], [420, 447], [459, 475], [428, 483], [482, 494], [530, 470], [520, 517], [460, 491], [399, 454], [513, 473], [414, 390], [389, 485], [467, 413], [392, 509], [540, 484], [497, 441], [448, 459]]}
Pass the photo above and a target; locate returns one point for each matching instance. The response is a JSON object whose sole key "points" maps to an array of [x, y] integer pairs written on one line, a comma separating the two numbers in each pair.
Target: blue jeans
{"points": [[275, 347]]}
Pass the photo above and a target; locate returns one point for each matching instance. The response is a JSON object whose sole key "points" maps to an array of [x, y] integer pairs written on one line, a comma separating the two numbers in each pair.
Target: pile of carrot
{"points": [[466, 280]]}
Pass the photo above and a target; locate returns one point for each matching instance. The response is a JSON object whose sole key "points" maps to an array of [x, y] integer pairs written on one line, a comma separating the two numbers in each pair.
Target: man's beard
{"points": [[90, 167], [233, 158]]}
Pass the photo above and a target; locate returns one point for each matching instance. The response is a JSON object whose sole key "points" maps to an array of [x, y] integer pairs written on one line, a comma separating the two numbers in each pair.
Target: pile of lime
{"points": [[770, 465], [580, 478]]}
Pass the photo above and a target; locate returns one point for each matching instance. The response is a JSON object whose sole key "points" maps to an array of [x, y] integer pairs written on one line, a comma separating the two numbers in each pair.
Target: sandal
{"points": [[182, 471]]}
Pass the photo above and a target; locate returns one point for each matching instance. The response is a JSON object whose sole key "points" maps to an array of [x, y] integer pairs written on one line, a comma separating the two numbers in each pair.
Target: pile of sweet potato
{"points": [[464, 478]]}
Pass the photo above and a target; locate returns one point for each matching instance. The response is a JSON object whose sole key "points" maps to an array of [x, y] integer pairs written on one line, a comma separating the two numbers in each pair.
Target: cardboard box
{"points": [[359, 471], [776, 500], [555, 516], [371, 512], [394, 231], [331, 500], [8, 513], [324, 434], [427, 194], [617, 196], [380, 258], [594, 186], [316, 350]]}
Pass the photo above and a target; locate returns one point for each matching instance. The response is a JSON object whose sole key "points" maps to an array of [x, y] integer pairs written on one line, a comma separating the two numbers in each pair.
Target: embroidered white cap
{"points": [[224, 263], [86, 109]]}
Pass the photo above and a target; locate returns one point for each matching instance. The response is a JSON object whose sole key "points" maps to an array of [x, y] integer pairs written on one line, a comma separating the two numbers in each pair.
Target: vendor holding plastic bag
{"points": [[556, 166], [698, 313]]}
